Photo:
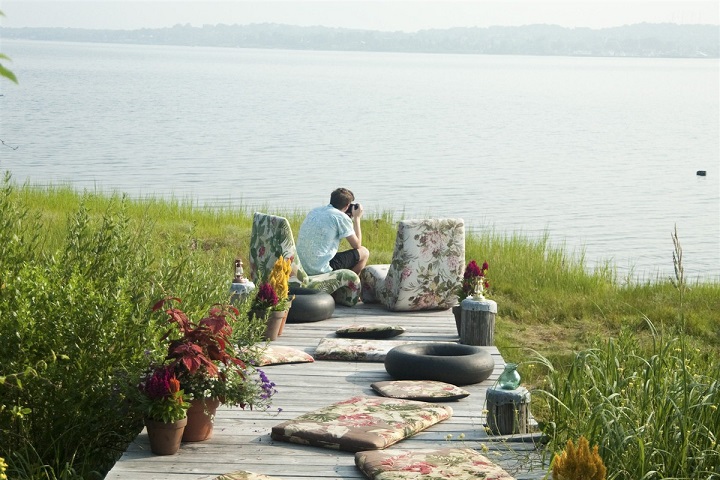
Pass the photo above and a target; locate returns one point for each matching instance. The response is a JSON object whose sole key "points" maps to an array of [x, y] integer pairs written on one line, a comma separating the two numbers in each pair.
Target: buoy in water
{"points": [[701, 173]]}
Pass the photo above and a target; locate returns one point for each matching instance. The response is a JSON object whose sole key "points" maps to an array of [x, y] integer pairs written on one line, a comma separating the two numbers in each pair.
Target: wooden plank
{"points": [[241, 439]]}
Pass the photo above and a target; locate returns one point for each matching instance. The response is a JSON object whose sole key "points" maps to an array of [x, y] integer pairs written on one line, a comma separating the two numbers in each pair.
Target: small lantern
{"points": [[241, 286]]}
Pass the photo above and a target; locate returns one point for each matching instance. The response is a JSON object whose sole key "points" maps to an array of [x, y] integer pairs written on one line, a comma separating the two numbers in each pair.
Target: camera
{"points": [[351, 207]]}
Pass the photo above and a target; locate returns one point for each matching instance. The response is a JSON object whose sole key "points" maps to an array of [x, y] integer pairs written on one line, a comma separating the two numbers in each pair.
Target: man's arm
{"points": [[355, 240]]}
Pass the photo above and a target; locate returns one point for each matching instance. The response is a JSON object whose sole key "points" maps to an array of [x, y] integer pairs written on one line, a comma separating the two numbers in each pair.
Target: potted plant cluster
{"points": [[209, 368], [474, 284], [272, 301], [163, 404]]}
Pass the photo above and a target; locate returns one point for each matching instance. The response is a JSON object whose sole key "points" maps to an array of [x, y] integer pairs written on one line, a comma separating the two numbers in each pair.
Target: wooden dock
{"points": [[241, 439]]}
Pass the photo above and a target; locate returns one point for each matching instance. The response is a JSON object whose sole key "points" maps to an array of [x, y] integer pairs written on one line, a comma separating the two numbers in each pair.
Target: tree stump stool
{"points": [[477, 322], [508, 410]]}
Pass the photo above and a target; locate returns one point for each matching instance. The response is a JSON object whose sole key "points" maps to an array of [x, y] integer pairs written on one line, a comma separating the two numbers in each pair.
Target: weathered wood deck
{"points": [[241, 439]]}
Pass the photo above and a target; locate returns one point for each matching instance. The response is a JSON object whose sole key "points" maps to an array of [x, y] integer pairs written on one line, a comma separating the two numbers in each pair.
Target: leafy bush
{"points": [[76, 328]]}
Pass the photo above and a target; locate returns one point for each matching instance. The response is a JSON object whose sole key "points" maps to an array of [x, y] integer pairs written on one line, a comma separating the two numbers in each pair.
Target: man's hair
{"points": [[341, 197]]}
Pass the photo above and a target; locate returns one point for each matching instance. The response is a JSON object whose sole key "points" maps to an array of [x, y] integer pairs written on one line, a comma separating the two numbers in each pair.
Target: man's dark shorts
{"points": [[347, 259]]}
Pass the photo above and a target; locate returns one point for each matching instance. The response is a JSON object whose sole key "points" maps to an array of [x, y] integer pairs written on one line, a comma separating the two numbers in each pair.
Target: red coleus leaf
{"points": [[159, 304], [179, 317], [217, 324]]}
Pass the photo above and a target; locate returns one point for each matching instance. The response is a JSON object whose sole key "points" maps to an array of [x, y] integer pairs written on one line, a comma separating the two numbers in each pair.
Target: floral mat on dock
{"points": [[423, 390], [355, 349], [240, 475], [445, 463], [370, 330], [361, 423], [277, 354]]}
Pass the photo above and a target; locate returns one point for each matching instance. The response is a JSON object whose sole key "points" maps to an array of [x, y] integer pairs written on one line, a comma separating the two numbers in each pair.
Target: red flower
{"points": [[472, 270], [162, 384], [266, 295]]}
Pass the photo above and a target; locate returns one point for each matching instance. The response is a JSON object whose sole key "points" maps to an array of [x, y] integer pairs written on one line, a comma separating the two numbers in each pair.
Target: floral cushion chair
{"points": [[427, 266], [271, 237]]}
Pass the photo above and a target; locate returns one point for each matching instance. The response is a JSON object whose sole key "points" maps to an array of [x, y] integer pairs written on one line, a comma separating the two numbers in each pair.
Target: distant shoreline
{"points": [[642, 40]]}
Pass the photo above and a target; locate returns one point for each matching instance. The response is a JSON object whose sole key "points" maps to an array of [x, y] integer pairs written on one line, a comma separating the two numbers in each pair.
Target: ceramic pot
{"points": [[457, 311], [200, 419], [274, 321], [284, 320], [165, 437]]}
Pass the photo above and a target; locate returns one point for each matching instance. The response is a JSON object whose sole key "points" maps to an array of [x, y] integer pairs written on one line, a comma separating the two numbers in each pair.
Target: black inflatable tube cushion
{"points": [[310, 305], [444, 362]]}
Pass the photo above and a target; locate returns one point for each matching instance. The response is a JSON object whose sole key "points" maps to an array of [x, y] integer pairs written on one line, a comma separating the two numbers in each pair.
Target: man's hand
{"points": [[357, 212]]}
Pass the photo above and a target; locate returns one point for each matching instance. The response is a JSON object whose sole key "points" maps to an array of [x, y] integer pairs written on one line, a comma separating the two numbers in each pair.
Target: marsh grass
{"points": [[80, 270], [652, 407]]}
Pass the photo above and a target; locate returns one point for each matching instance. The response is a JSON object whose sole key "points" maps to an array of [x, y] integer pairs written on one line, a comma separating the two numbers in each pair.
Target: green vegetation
{"points": [[79, 272], [4, 72]]}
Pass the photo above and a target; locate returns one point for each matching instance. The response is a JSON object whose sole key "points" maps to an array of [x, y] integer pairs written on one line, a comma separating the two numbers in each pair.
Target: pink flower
{"points": [[359, 419], [420, 467]]}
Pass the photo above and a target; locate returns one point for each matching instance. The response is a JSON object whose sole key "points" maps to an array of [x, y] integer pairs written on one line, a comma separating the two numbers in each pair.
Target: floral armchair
{"points": [[427, 266], [271, 237]]}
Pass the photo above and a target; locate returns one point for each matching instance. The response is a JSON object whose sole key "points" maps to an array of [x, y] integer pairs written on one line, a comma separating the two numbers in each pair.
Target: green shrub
{"points": [[77, 331]]}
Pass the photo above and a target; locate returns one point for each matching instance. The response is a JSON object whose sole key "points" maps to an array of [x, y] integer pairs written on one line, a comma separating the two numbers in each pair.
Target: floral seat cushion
{"points": [[272, 237], [370, 330], [423, 390], [276, 355], [240, 475], [445, 463], [355, 349], [426, 268], [361, 423]]}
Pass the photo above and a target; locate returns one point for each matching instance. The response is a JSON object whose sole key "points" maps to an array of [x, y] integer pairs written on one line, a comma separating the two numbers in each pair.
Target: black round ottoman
{"points": [[444, 362], [310, 305]]}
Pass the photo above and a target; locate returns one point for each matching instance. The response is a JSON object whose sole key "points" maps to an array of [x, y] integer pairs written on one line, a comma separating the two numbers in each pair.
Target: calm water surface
{"points": [[599, 153]]}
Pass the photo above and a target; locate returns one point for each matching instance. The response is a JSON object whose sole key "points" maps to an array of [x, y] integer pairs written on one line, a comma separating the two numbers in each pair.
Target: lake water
{"points": [[600, 153]]}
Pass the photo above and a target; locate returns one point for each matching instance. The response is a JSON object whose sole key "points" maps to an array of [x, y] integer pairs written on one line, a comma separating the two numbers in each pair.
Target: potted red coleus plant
{"points": [[208, 366]]}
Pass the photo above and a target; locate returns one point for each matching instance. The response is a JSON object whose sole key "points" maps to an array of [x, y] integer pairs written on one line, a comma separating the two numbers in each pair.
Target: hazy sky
{"points": [[406, 15]]}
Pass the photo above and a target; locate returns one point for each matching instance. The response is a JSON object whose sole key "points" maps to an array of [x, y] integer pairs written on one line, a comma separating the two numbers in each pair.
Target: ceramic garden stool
{"points": [[443, 362], [508, 410]]}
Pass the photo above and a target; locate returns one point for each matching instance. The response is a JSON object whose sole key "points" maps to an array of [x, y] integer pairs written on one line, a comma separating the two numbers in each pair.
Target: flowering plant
{"points": [[474, 281], [266, 297], [206, 362], [273, 294], [161, 398]]}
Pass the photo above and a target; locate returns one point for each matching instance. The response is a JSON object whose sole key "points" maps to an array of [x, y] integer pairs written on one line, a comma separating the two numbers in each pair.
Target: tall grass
{"points": [[80, 270], [651, 407]]}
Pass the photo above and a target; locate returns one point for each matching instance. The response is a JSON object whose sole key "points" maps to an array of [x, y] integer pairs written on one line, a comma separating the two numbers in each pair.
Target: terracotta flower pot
{"points": [[165, 437], [287, 310], [274, 322], [200, 420]]}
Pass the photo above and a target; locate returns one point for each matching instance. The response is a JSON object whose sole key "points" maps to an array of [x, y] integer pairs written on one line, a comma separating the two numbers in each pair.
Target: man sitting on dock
{"points": [[323, 229]]}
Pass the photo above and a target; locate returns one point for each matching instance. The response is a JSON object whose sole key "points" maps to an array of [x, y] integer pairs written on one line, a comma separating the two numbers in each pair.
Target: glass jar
{"points": [[509, 378]]}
